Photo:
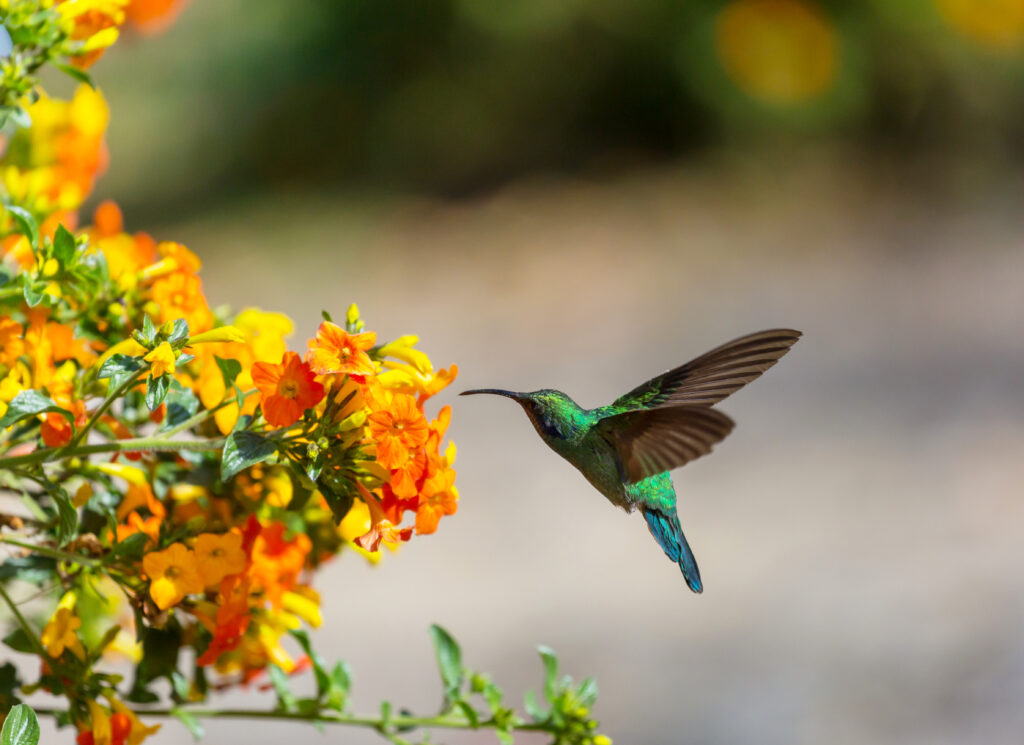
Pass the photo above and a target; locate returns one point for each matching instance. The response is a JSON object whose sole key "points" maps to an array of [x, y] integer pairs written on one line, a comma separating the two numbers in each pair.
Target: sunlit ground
{"points": [[859, 533]]}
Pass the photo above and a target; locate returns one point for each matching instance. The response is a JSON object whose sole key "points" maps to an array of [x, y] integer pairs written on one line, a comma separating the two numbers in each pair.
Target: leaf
{"points": [[189, 720], [26, 223], [179, 333], [180, 685], [470, 713], [21, 727], [80, 75], [229, 369], [449, 661], [341, 680], [182, 404], [586, 694], [63, 245], [20, 641], [244, 449], [156, 390], [148, 330], [131, 547], [550, 672], [323, 680], [285, 697], [29, 403], [340, 502], [34, 292], [33, 568], [8, 686], [119, 368], [532, 708], [67, 516]]}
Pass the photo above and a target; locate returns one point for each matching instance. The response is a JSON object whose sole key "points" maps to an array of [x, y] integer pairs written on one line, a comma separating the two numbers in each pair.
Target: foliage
{"points": [[173, 476]]}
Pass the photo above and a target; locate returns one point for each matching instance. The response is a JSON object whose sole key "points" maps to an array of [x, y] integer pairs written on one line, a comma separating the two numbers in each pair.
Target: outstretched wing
{"points": [[711, 377], [652, 441]]}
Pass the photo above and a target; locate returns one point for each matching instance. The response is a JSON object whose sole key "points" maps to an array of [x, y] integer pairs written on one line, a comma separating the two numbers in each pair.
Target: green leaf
{"points": [[189, 720], [285, 697], [80, 75], [244, 449], [29, 403], [182, 404], [156, 390], [532, 708], [34, 293], [148, 330], [63, 246], [470, 713], [20, 641], [229, 369], [340, 502], [323, 680], [21, 727], [119, 368], [449, 661], [131, 547], [180, 685], [67, 516], [505, 738], [9, 686], [179, 333], [26, 224], [550, 672], [341, 680], [586, 694], [33, 568]]}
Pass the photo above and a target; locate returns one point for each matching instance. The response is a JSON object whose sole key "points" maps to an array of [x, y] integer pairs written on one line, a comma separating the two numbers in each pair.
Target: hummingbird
{"points": [[626, 449]]}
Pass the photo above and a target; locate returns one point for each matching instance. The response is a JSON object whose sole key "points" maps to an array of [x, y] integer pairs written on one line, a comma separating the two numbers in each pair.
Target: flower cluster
{"points": [[172, 476]]}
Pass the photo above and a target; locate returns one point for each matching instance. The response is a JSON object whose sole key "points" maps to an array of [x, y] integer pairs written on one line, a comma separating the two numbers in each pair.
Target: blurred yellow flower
{"points": [[161, 360], [59, 634], [997, 24], [778, 51], [173, 574], [217, 556]]}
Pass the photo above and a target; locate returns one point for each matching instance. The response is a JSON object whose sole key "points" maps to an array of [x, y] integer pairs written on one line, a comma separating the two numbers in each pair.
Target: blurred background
{"points": [[579, 195]]}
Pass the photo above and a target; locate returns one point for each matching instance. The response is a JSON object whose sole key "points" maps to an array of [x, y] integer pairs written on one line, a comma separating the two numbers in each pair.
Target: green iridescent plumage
{"points": [[626, 449]]}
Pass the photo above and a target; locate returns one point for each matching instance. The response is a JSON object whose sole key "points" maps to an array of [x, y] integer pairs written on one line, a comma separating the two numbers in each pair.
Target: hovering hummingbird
{"points": [[627, 449]]}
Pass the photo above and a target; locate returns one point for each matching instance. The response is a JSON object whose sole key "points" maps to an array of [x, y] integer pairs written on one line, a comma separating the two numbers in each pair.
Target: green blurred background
{"points": [[581, 194]]}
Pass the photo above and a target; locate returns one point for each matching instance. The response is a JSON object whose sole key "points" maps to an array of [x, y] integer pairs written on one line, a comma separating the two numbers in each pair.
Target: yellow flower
{"points": [[779, 51], [161, 360], [221, 333], [59, 634], [303, 602], [173, 574], [219, 555], [996, 24]]}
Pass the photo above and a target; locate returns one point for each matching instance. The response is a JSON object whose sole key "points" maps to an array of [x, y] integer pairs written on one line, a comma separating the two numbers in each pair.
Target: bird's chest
{"points": [[596, 461]]}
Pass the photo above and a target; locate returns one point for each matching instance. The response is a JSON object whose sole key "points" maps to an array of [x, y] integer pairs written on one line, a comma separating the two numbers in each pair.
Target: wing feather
{"points": [[652, 441], [715, 375]]}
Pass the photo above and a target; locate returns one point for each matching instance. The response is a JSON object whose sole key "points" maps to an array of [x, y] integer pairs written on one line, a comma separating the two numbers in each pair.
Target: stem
{"points": [[107, 403], [327, 717], [156, 444], [29, 631], [55, 553]]}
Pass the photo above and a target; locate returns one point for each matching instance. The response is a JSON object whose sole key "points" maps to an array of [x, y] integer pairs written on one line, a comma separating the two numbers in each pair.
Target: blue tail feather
{"points": [[669, 534]]}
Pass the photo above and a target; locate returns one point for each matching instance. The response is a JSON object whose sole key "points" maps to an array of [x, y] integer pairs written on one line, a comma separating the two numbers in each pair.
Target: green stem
{"points": [[327, 717], [29, 631], [107, 403], [55, 553], [152, 444]]}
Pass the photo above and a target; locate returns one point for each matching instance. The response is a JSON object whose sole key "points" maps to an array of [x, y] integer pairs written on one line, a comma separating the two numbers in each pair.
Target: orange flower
{"points": [[276, 562], [180, 295], [397, 429], [232, 620], [173, 574], [56, 430], [286, 390], [219, 555], [135, 524], [439, 497], [335, 351], [153, 16], [381, 528], [140, 495], [11, 342]]}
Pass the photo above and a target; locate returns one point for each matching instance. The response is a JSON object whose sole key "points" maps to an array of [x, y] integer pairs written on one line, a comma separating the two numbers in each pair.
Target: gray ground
{"points": [[860, 534]]}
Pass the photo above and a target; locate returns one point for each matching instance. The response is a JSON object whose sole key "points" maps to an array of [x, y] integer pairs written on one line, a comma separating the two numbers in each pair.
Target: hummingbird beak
{"points": [[494, 391]]}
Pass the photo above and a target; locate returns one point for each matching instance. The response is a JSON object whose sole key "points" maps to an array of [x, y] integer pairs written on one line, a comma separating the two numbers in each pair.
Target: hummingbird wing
{"points": [[711, 377], [652, 441]]}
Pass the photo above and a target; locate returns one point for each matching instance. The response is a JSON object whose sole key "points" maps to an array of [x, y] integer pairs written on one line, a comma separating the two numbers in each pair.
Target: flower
{"points": [[398, 427], [439, 497], [381, 529], [161, 360], [59, 634], [286, 390], [173, 574], [335, 351], [136, 731], [219, 555], [55, 430], [277, 561], [219, 334]]}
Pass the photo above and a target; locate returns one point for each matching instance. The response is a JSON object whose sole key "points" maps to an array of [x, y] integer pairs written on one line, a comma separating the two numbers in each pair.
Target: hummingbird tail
{"points": [[667, 531]]}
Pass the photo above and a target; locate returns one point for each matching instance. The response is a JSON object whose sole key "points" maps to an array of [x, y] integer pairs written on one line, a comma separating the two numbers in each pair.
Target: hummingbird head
{"points": [[550, 411]]}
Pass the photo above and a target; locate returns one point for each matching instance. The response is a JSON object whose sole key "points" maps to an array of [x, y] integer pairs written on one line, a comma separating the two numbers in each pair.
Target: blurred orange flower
{"points": [[397, 430], [335, 351]]}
